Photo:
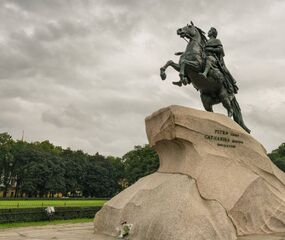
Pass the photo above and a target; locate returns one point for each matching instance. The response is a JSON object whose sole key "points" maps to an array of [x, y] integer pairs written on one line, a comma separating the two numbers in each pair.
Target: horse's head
{"points": [[189, 31], [192, 32]]}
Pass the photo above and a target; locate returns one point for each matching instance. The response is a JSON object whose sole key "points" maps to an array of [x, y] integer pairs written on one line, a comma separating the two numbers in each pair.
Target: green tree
{"points": [[7, 165], [99, 178], [48, 147], [278, 157], [117, 172], [75, 167], [43, 169], [141, 161], [42, 172], [20, 152]]}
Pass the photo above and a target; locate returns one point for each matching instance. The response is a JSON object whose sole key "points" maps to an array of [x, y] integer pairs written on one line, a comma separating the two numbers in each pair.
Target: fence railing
{"points": [[39, 214]]}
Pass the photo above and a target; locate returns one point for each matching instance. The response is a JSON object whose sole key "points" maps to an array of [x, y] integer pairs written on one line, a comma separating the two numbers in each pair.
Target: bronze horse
{"points": [[192, 63]]}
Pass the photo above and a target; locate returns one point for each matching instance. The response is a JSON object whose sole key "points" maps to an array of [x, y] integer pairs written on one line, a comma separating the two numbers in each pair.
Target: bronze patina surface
{"points": [[202, 64]]}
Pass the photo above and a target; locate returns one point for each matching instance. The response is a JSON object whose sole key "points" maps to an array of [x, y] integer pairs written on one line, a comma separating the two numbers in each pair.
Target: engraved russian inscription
{"points": [[224, 138]]}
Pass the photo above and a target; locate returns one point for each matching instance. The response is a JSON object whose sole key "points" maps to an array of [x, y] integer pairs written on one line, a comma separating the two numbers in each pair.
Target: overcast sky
{"points": [[85, 74]]}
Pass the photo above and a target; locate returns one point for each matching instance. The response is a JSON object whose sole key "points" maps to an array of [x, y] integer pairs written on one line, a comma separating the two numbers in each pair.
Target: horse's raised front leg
{"points": [[176, 66]]}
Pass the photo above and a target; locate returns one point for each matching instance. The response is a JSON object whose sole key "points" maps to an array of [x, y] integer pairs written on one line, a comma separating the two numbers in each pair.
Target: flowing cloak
{"points": [[230, 82]]}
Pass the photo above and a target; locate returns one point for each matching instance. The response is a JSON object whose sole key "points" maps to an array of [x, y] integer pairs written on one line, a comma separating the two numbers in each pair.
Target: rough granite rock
{"points": [[215, 182]]}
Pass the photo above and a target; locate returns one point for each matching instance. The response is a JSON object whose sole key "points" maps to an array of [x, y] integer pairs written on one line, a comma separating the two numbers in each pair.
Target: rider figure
{"points": [[215, 53]]}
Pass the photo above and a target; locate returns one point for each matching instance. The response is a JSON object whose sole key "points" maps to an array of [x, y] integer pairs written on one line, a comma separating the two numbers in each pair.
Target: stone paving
{"points": [[78, 231], [74, 231]]}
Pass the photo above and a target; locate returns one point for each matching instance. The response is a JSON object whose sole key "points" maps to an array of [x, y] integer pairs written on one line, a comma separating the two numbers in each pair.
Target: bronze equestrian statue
{"points": [[202, 64]]}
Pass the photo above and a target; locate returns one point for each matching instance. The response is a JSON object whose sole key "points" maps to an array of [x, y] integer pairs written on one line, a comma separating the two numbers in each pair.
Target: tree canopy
{"points": [[41, 169], [140, 162], [278, 157]]}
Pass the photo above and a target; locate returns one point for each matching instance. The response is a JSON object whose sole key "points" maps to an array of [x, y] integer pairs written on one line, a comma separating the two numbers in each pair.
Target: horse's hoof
{"points": [[162, 74], [185, 81], [177, 83]]}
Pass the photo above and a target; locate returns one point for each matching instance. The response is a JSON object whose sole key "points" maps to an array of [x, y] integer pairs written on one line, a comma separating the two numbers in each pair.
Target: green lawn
{"points": [[43, 223], [45, 203]]}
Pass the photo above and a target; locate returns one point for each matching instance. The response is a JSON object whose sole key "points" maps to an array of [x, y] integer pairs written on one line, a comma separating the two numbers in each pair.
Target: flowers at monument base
{"points": [[124, 230]]}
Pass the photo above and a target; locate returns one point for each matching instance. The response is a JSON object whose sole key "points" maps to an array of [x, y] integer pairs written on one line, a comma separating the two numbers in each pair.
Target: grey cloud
{"points": [[69, 117], [84, 74], [54, 31]]}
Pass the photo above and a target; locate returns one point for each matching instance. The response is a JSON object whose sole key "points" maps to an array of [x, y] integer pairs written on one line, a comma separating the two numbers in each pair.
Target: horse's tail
{"points": [[237, 115]]}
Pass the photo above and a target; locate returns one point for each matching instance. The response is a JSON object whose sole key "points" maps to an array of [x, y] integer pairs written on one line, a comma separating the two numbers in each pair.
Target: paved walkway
{"points": [[74, 231], [77, 231]]}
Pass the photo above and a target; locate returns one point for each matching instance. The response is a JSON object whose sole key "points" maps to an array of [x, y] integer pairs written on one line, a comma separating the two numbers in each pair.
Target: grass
{"points": [[43, 223], [44, 203]]}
